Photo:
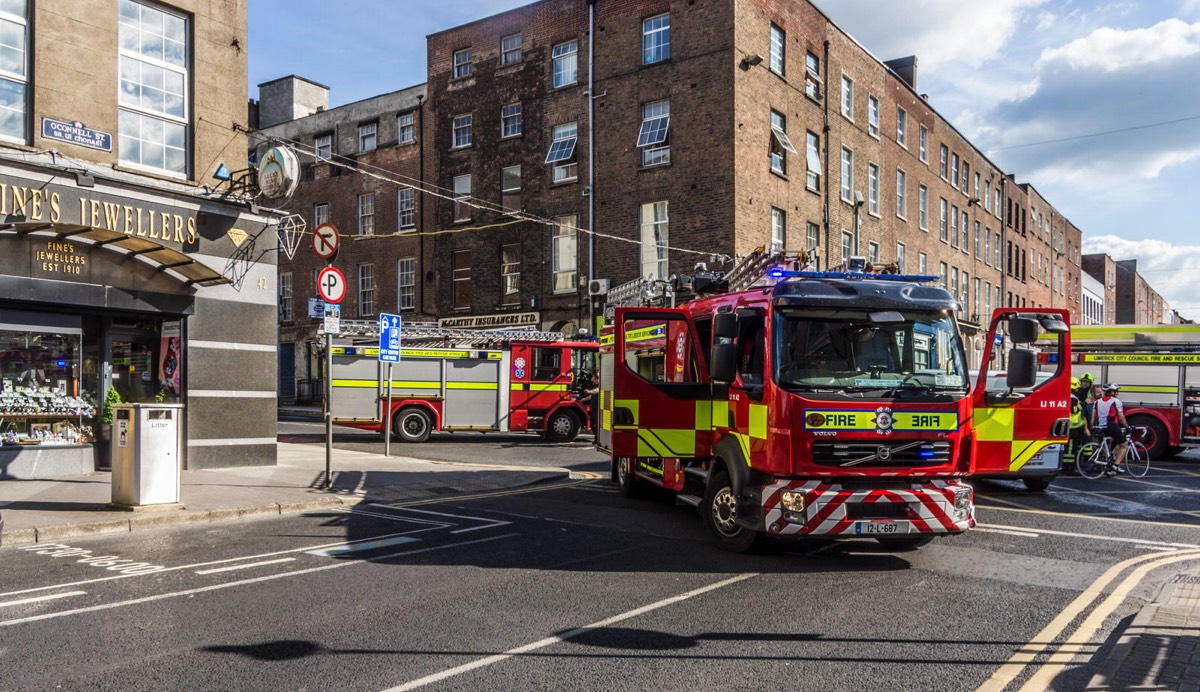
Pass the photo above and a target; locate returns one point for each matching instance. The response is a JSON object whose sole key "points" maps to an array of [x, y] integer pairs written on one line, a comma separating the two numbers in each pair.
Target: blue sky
{"points": [[1094, 103]]}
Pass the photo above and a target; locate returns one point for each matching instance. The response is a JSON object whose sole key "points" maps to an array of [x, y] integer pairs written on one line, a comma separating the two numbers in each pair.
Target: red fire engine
{"points": [[820, 404], [1158, 368], [461, 380]]}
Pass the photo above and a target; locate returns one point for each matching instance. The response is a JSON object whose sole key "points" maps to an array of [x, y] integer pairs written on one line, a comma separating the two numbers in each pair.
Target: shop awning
{"points": [[193, 272]]}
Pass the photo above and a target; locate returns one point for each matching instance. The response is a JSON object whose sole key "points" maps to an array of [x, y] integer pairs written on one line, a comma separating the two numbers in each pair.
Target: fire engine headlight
{"points": [[962, 503], [793, 500]]}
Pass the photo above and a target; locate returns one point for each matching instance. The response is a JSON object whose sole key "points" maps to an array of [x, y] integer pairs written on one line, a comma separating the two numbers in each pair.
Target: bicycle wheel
{"points": [[1137, 460], [1091, 460]]}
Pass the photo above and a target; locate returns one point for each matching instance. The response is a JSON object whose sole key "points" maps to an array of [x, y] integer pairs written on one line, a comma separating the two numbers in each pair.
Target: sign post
{"points": [[389, 352], [332, 287]]}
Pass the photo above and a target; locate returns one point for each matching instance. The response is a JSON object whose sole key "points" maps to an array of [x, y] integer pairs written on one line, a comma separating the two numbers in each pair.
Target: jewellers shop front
{"points": [[119, 290]]}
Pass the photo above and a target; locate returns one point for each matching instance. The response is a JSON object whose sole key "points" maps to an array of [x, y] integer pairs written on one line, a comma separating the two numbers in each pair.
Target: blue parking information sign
{"points": [[389, 338]]}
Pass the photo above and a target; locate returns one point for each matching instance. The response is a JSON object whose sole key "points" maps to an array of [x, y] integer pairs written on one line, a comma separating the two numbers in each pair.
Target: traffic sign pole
{"points": [[328, 410], [387, 416]]}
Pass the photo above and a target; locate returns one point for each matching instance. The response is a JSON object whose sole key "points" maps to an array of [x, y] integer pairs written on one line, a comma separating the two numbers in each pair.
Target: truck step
{"points": [[692, 500], [697, 472]]}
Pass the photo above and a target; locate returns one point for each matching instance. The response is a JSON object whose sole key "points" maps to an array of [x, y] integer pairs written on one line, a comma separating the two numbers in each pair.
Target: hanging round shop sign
{"points": [[279, 173]]}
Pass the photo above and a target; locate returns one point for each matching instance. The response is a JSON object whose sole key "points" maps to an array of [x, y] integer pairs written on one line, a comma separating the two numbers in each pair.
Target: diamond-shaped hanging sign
{"points": [[238, 236]]}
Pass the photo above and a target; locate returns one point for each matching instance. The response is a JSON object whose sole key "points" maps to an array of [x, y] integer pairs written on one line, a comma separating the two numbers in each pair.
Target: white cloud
{"points": [[938, 32], [1111, 49], [1172, 270]]}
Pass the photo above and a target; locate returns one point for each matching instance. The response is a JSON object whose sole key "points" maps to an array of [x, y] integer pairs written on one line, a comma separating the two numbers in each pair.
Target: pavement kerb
{"points": [[1121, 650], [30, 536]]}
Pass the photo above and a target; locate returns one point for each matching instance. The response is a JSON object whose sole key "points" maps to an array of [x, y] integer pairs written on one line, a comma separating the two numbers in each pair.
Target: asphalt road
{"points": [[468, 447], [571, 587]]}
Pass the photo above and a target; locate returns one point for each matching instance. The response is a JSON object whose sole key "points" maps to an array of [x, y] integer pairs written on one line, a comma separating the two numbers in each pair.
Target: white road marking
{"points": [[1092, 515], [550, 641], [488, 523], [1071, 534], [38, 599], [243, 582], [211, 562], [252, 564], [1025, 534]]}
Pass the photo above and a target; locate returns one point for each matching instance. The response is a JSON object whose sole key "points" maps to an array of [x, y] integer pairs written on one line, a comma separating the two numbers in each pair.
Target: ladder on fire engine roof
{"points": [[430, 334]]}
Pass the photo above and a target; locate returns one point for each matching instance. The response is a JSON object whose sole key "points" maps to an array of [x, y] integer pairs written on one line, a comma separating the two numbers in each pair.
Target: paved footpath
{"points": [[1160, 650], [39, 511]]}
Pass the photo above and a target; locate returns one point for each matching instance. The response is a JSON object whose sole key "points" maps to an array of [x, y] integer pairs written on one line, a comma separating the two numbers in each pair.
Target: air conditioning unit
{"points": [[598, 287]]}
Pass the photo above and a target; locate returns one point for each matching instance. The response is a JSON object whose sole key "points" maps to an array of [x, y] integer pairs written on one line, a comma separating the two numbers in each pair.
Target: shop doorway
{"points": [[133, 359]]}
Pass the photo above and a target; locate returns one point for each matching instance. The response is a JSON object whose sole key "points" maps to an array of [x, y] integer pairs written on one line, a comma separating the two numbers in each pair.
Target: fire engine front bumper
{"points": [[813, 508]]}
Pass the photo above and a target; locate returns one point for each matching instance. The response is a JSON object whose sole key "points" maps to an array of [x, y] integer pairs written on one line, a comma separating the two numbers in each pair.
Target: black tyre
{"points": [[412, 424], [1039, 483], [1091, 460], [902, 544], [626, 481], [1156, 440], [719, 510], [562, 426], [1137, 460]]}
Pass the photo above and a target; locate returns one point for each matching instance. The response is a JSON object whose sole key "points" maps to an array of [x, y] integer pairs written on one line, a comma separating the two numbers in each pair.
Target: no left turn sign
{"points": [[325, 240], [331, 284]]}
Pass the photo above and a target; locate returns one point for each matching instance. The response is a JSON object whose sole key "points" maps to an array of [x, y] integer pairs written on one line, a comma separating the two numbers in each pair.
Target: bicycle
{"points": [[1096, 457]]}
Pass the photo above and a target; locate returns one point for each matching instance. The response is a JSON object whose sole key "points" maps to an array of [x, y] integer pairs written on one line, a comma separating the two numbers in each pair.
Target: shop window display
{"points": [[43, 400]]}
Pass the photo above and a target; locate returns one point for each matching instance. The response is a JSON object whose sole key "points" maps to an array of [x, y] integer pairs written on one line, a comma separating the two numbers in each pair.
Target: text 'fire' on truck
{"points": [[461, 380], [832, 405], [1158, 368]]}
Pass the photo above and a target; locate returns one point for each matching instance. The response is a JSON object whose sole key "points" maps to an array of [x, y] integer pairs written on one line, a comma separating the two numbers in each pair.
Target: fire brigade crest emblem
{"points": [[884, 420]]}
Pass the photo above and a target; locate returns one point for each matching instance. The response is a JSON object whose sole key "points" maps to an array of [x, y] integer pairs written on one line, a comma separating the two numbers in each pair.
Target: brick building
{"points": [[379, 212], [693, 131], [122, 269]]}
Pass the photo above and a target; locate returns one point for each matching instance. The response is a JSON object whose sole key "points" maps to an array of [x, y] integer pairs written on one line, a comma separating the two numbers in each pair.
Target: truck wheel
{"points": [[1156, 435], [719, 510], [625, 478], [562, 426], [902, 544], [412, 424], [1038, 483]]}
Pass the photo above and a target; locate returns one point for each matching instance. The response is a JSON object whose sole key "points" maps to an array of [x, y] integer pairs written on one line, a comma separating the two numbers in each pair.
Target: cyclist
{"points": [[1109, 415], [1079, 428]]}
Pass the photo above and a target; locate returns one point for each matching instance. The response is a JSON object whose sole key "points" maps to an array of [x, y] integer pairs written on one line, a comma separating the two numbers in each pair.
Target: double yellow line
{"points": [[1081, 638]]}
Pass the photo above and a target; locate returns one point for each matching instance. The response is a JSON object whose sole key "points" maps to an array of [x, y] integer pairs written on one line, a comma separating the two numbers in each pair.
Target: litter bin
{"points": [[145, 454]]}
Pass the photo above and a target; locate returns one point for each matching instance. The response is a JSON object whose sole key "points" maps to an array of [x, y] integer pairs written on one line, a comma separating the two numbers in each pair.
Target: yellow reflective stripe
{"points": [[838, 420], [994, 424], [1148, 389], [720, 414], [606, 419], [1141, 358], [494, 355], [924, 420], [632, 405], [661, 442], [518, 387], [608, 339], [646, 333], [371, 384], [703, 414], [541, 387], [472, 385], [1023, 450], [744, 443], [758, 422], [409, 352]]}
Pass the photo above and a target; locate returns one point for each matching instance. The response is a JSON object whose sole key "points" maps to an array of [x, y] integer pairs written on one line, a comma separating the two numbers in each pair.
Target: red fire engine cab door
{"points": [[662, 398], [1014, 426]]}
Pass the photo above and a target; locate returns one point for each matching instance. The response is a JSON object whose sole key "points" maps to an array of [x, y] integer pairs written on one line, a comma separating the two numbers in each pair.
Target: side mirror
{"points": [[723, 362], [1022, 369], [725, 325], [1023, 330], [1054, 326]]}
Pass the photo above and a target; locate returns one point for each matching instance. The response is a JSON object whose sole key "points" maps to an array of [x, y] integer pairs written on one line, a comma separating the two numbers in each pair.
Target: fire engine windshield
{"points": [[866, 351]]}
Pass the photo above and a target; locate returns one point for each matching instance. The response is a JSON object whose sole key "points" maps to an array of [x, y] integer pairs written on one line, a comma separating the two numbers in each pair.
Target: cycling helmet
{"points": [[1087, 376], [1112, 387], [1074, 383]]}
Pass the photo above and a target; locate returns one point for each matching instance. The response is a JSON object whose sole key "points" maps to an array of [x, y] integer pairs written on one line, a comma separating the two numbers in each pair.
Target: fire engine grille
{"points": [[876, 454]]}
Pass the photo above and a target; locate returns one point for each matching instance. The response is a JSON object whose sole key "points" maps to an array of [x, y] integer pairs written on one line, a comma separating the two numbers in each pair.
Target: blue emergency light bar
{"points": [[784, 274]]}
